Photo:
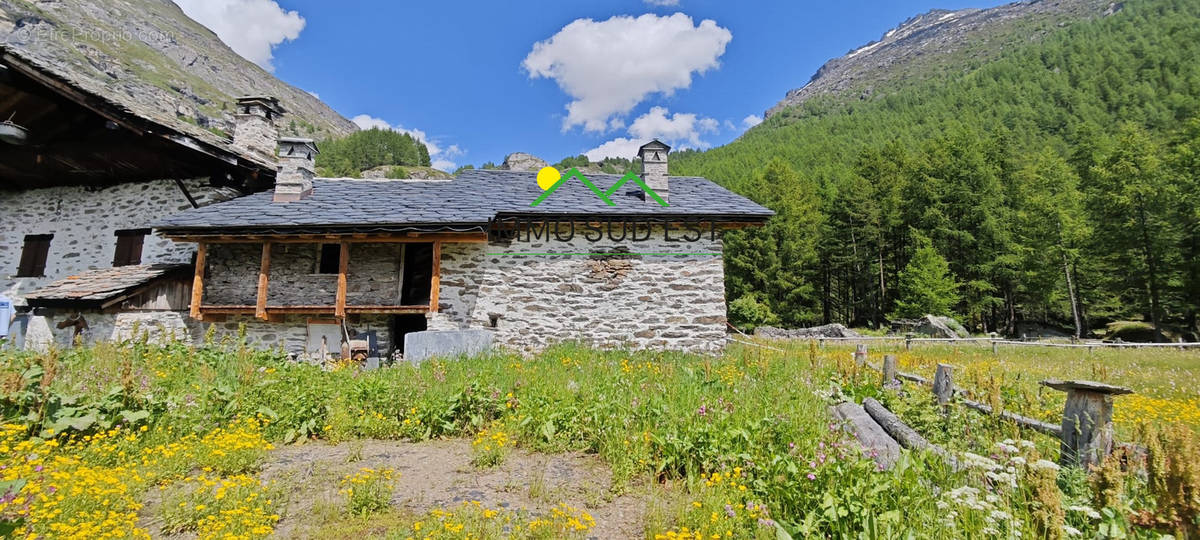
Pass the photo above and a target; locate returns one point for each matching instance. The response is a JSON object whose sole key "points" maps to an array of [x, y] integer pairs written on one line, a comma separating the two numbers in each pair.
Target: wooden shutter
{"points": [[33, 255], [129, 247]]}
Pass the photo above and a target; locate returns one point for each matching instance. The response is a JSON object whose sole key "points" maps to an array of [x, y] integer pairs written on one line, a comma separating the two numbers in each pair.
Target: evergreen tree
{"points": [[926, 286]]}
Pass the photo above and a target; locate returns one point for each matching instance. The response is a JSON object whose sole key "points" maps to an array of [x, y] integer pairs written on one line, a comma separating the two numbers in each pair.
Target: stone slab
{"points": [[421, 346]]}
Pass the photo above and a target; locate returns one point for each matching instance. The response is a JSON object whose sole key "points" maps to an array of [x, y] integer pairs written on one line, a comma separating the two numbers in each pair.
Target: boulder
{"points": [[824, 331], [931, 326], [520, 161]]}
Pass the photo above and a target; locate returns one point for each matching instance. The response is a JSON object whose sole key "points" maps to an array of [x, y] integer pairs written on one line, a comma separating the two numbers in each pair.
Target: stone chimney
{"points": [[297, 161], [254, 130], [654, 168]]}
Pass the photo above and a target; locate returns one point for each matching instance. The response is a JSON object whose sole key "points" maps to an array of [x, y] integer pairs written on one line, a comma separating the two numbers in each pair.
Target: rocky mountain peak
{"points": [[520, 161], [924, 45]]}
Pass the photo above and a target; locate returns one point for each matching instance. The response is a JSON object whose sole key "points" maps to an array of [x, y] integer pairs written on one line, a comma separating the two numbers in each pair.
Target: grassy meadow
{"points": [[138, 440]]}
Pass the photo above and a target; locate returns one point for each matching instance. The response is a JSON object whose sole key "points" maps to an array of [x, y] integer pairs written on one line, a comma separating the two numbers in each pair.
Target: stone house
{"points": [[610, 261], [82, 176]]}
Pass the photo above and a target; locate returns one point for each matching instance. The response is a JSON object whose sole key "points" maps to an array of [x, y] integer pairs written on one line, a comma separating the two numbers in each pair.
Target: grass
{"points": [[742, 444]]}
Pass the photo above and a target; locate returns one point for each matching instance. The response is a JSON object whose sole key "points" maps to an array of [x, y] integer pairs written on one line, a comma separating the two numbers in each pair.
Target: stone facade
{"points": [[83, 222], [161, 326], [636, 301], [373, 276], [527, 299]]}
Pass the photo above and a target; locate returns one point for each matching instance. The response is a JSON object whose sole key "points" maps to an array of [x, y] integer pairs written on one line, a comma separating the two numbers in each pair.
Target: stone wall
{"points": [[290, 334], [83, 222], [636, 301], [373, 275], [232, 274]]}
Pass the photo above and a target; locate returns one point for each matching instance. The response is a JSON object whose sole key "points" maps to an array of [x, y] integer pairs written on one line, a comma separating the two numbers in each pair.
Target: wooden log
{"points": [[264, 271], [906, 436], [198, 281], [1087, 430], [339, 309], [869, 433], [889, 370], [943, 386], [1052, 430], [435, 285], [860, 355]]}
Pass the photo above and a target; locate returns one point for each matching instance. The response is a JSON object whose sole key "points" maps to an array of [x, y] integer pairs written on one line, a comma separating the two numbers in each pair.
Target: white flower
{"points": [[1047, 465], [1017, 460], [1072, 531], [1025, 444]]}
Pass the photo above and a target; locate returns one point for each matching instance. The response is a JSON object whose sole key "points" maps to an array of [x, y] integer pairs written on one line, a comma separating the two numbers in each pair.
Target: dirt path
{"points": [[439, 474]]}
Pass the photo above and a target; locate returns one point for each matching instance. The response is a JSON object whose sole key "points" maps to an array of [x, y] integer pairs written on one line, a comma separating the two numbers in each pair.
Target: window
{"points": [[330, 259], [129, 246], [33, 255]]}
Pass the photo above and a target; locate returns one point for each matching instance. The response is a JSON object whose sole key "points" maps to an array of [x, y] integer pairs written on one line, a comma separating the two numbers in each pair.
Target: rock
{"points": [[931, 326], [828, 330], [520, 161]]}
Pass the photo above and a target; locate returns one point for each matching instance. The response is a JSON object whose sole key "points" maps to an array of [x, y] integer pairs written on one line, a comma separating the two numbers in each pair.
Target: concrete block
{"points": [[421, 346]]}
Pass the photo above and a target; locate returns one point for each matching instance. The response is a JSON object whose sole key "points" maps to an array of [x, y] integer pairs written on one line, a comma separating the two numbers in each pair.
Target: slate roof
{"points": [[464, 203], [96, 287]]}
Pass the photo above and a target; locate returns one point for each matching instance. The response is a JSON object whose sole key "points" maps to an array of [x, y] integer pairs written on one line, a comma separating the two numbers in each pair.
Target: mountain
{"points": [[941, 42], [150, 56], [1050, 158]]}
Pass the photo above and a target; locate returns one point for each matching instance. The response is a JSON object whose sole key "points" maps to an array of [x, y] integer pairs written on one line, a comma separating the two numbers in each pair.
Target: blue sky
{"points": [[470, 77]]}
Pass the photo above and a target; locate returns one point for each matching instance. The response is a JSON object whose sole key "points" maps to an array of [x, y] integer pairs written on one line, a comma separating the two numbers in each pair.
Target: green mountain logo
{"points": [[605, 196]]}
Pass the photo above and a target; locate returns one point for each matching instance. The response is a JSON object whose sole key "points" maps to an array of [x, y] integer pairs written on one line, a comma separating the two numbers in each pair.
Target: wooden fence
{"points": [[1085, 432]]}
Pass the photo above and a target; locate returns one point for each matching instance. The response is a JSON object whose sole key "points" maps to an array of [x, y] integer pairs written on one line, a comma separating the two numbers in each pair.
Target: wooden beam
{"points": [[211, 310], [476, 237], [343, 266], [435, 283], [198, 281], [264, 272]]}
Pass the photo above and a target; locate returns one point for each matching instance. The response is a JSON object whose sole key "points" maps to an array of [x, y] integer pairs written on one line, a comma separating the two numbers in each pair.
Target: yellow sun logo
{"points": [[547, 177]]}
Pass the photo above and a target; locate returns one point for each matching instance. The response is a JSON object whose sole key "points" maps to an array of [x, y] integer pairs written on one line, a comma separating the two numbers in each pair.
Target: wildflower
{"points": [[812, 476]]}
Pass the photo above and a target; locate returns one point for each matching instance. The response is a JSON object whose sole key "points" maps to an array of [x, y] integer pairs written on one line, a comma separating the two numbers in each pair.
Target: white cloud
{"points": [[313, 94], [681, 130], [662, 2], [672, 128], [620, 147], [252, 28], [751, 121], [609, 67], [439, 158]]}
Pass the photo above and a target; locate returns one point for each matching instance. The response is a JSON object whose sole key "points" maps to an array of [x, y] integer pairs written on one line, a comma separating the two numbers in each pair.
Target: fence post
{"points": [[995, 347], [821, 342], [860, 354], [908, 341], [943, 386], [1087, 430], [889, 370]]}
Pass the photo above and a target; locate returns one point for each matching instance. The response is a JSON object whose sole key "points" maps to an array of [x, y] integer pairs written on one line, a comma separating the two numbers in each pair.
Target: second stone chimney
{"points": [[254, 130], [654, 168], [297, 163]]}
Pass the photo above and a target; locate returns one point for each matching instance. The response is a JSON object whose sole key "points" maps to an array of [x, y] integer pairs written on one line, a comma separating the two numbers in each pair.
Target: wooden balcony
{"points": [[264, 310]]}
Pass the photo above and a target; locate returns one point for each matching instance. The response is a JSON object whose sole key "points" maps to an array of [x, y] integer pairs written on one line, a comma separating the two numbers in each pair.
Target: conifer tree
{"points": [[926, 286]]}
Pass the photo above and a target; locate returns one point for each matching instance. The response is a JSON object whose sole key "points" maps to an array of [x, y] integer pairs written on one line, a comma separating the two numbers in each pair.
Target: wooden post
{"points": [[339, 309], [860, 355], [889, 369], [821, 342], [943, 386], [1087, 430], [908, 341], [260, 308], [995, 348], [198, 281], [435, 283]]}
